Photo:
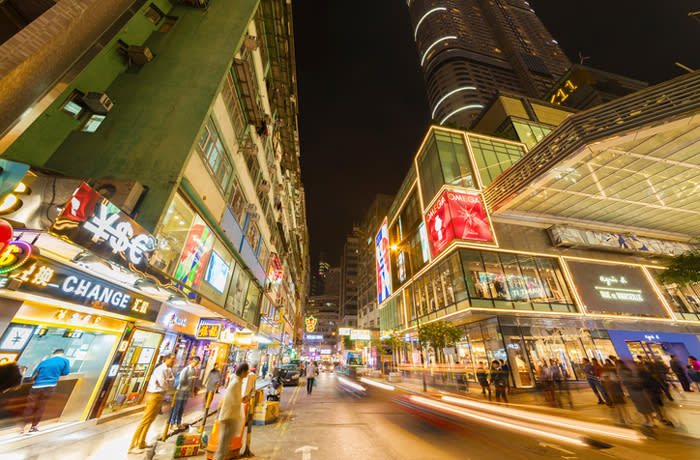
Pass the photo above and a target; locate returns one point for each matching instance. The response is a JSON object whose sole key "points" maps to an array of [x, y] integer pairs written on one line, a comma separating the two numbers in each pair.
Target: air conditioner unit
{"points": [[250, 149], [139, 55], [250, 43], [264, 186], [272, 170], [254, 217], [98, 103], [125, 194], [279, 188], [250, 208]]}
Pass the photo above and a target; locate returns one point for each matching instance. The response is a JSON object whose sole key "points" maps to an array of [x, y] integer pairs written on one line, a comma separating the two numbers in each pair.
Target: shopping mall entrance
{"points": [[657, 350]]}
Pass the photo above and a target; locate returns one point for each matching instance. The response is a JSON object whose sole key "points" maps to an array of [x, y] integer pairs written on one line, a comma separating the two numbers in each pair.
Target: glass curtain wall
{"points": [[683, 300], [493, 157]]}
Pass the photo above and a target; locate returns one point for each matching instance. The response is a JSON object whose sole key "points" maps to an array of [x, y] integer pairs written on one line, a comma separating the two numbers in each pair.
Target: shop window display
{"points": [[173, 235], [683, 300], [252, 301]]}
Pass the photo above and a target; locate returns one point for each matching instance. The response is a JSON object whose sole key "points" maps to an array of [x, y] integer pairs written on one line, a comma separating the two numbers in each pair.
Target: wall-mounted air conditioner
{"points": [[250, 208], [125, 194], [98, 102], [250, 43], [264, 186], [139, 55], [254, 217]]}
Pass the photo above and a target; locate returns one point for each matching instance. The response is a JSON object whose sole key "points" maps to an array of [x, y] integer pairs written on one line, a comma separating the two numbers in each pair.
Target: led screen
{"points": [[217, 272]]}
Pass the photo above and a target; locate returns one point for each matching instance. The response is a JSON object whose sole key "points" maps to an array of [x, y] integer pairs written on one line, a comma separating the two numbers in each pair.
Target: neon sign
{"points": [[310, 322], [382, 257], [15, 254]]}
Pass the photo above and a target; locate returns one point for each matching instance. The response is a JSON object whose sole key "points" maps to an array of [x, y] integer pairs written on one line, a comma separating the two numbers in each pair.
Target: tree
{"points": [[682, 269], [393, 342], [438, 335]]}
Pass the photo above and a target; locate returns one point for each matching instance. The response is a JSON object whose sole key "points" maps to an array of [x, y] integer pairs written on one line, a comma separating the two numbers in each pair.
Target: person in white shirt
{"points": [[161, 382], [311, 371], [231, 416]]}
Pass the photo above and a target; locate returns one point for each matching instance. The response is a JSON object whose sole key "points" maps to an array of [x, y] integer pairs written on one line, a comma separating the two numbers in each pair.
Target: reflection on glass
{"points": [[173, 234]]}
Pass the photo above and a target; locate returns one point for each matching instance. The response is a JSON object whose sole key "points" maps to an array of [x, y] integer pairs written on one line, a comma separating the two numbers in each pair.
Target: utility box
{"points": [[266, 412]]}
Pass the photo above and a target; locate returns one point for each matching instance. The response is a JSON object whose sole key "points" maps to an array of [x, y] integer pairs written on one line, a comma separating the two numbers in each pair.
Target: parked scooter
{"points": [[273, 392]]}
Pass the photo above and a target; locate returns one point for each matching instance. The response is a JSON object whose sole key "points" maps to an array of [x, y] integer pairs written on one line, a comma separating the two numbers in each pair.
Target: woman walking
{"points": [[635, 388], [613, 388]]}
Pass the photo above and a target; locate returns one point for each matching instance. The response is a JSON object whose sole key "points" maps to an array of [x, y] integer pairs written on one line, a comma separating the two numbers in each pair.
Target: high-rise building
{"points": [[332, 285], [368, 314], [469, 49], [318, 279], [185, 120], [349, 282]]}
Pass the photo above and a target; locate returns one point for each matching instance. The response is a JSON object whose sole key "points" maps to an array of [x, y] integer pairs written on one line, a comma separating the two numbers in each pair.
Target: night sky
{"points": [[362, 105]]}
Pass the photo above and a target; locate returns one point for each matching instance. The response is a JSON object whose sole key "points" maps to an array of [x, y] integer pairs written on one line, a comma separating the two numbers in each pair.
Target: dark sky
{"points": [[362, 105]]}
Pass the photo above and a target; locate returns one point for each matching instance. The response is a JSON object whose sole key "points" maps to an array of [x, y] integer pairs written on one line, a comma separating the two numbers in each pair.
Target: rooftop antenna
{"points": [[582, 58]]}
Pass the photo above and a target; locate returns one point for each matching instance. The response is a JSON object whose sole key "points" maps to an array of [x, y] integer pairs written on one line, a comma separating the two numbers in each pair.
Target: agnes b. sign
{"points": [[457, 215], [92, 221], [382, 255]]}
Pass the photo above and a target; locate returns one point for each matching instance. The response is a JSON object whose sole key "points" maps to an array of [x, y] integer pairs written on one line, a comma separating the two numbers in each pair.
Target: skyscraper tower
{"points": [[470, 49]]}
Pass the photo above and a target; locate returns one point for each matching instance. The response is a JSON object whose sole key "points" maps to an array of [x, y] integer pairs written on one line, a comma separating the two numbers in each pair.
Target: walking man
{"points": [[677, 369], [162, 382], [183, 390], [231, 415], [45, 377], [310, 376], [594, 381], [482, 375], [499, 378]]}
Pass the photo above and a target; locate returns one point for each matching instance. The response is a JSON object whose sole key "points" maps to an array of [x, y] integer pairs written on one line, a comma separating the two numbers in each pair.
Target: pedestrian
{"points": [[211, 383], [613, 388], [594, 381], [264, 370], [10, 376], [653, 388], [635, 388], [677, 369], [499, 379], [231, 415], [45, 379], [311, 373], [504, 367], [694, 371], [482, 375], [162, 381], [184, 388], [545, 375], [660, 372]]}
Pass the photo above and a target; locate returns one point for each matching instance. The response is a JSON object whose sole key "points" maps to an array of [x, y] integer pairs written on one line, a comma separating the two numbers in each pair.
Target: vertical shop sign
{"points": [[382, 256]]}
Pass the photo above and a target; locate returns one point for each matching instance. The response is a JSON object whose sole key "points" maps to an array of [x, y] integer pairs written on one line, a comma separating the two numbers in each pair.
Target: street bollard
{"points": [[167, 422], [210, 397]]}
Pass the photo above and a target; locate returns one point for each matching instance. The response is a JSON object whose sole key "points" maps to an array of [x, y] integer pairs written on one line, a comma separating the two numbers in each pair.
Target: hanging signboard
{"points": [[618, 242], [93, 222]]}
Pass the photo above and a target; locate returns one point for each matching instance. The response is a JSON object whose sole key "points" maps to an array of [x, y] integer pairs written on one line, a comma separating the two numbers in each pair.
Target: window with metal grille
{"points": [[233, 105], [214, 155]]}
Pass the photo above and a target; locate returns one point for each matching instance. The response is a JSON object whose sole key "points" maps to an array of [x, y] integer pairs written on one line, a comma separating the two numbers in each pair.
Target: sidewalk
{"points": [[684, 411]]}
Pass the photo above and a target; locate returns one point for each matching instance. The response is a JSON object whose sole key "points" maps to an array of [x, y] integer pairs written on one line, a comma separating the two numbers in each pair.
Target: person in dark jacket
{"points": [[45, 377], [677, 369], [499, 379], [482, 375], [635, 388], [613, 388], [594, 382], [652, 387]]}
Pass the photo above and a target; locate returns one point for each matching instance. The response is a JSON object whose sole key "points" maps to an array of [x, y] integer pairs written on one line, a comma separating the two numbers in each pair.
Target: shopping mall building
{"points": [[550, 252]]}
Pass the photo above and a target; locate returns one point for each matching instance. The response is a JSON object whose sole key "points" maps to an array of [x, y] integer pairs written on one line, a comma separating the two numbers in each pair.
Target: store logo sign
{"points": [[173, 320], [616, 289], [14, 255], [311, 323], [208, 329], [120, 234]]}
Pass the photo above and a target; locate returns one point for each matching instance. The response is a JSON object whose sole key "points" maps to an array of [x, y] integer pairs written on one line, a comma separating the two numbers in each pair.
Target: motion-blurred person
{"points": [[505, 368], [311, 373], [211, 383], [660, 371], [45, 378], [482, 375], [593, 379], [162, 381], [677, 369], [653, 388], [231, 415], [613, 388], [636, 390], [694, 370], [183, 390], [10, 376], [547, 382], [499, 379]]}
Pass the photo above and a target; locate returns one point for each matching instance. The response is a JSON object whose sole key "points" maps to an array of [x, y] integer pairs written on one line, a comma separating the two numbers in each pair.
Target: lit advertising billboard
{"points": [[359, 334], [195, 254], [457, 215], [615, 289], [382, 255]]}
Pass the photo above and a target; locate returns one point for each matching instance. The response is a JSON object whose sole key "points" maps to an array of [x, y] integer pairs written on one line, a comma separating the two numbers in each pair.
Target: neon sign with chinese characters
{"points": [[310, 322], [95, 223], [209, 329], [52, 279]]}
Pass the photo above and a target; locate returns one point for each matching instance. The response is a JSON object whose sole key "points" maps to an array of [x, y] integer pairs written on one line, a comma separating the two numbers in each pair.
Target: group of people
{"points": [[646, 382], [496, 375], [553, 379]]}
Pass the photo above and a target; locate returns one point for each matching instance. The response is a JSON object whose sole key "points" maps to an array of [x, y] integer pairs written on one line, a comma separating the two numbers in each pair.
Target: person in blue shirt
{"points": [[45, 377]]}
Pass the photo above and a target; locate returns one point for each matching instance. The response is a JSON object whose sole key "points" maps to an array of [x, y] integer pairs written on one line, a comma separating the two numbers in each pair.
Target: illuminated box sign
{"points": [[618, 242], [311, 323], [615, 289], [359, 334], [457, 215], [325, 351], [344, 331], [209, 329], [48, 278], [92, 221], [313, 337], [382, 257]]}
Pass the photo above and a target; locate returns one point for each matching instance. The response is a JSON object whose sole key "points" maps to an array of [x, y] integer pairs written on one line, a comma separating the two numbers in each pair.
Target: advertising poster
{"points": [[382, 255], [195, 254], [217, 272], [457, 215]]}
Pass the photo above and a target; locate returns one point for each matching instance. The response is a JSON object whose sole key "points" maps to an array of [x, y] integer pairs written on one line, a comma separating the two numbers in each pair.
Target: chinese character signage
{"points": [[615, 289], [574, 237], [92, 221], [382, 256], [44, 277], [359, 334], [311, 323], [344, 331], [457, 216], [209, 329]]}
